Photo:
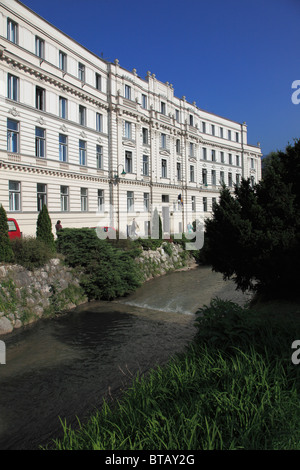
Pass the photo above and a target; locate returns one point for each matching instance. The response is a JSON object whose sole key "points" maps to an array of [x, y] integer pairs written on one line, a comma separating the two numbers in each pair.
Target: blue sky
{"points": [[235, 58]]}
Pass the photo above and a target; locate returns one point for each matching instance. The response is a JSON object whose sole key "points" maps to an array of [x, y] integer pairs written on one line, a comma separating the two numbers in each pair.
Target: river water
{"points": [[64, 367]]}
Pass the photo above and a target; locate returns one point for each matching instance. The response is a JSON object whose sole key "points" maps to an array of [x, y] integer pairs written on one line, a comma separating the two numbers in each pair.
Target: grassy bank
{"points": [[235, 387]]}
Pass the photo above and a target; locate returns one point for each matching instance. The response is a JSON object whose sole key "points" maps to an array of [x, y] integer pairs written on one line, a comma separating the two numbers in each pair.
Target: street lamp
{"points": [[116, 175]]}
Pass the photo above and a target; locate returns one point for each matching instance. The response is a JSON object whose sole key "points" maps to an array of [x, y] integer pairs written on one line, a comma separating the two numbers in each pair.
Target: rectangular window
{"points": [[204, 153], [222, 177], [237, 179], [83, 199], [229, 135], [230, 180], [213, 155], [163, 107], [101, 200], [230, 159], [192, 149], [204, 176], [40, 98], [221, 132], [237, 137], [163, 141], [41, 192], [14, 190], [178, 171], [12, 31], [63, 148], [62, 61], [145, 135], [12, 136], [213, 177], [177, 115], [237, 160], [39, 47], [82, 152], [40, 142], [99, 122], [64, 198], [178, 146], [165, 198], [193, 203], [222, 157], [192, 173], [145, 165], [128, 162], [99, 157], [128, 92], [127, 130], [212, 129], [63, 108], [144, 101], [252, 163], [12, 87], [146, 202], [81, 71], [98, 81], [82, 115], [130, 201], [191, 120], [205, 204], [204, 127], [164, 168]]}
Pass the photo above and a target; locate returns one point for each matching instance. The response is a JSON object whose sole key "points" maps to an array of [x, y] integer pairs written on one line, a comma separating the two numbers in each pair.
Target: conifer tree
{"points": [[6, 252], [44, 228]]}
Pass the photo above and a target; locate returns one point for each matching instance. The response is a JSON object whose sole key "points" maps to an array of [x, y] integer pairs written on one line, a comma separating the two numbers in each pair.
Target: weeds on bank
{"points": [[235, 387]]}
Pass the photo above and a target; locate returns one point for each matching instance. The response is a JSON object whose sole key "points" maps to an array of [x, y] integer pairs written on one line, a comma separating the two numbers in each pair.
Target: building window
{"points": [[178, 146], [63, 148], [12, 136], [98, 82], [99, 122], [204, 153], [40, 98], [62, 61], [177, 115], [213, 155], [145, 135], [222, 157], [40, 142], [230, 180], [163, 107], [101, 200], [238, 179], [178, 171], [39, 47], [146, 202], [144, 101], [164, 168], [12, 31], [99, 157], [165, 198], [212, 129], [252, 181], [204, 176], [252, 163], [222, 177], [205, 204], [84, 199], [229, 135], [82, 115], [82, 152], [192, 149], [192, 173], [230, 159], [213, 177], [145, 165], [163, 141], [128, 162], [237, 160], [14, 190], [204, 127], [237, 137], [130, 201], [81, 71], [128, 92], [193, 203], [63, 107], [191, 120], [41, 192], [12, 87], [127, 130], [64, 198], [221, 132]]}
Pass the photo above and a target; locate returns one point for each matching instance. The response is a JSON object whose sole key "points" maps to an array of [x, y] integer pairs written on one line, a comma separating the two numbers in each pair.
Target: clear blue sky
{"points": [[235, 58]]}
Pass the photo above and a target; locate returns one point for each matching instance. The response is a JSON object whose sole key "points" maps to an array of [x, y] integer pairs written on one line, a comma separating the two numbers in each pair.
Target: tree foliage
{"points": [[254, 234], [44, 228], [6, 253]]}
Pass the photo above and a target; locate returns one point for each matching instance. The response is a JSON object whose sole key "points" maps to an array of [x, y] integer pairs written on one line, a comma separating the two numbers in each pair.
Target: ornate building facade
{"points": [[100, 145]]}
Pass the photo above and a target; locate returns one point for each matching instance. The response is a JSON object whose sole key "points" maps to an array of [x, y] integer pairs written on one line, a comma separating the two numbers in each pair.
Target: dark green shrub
{"points": [[44, 228], [6, 253], [31, 252]]}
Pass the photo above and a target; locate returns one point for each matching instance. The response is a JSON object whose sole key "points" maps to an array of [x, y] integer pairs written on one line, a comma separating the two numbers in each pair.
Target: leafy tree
{"points": [[254, 234], [44, 228], [6, 252]]}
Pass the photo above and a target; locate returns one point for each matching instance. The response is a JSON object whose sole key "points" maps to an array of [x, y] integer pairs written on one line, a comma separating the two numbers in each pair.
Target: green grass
{"points": [[234, 388]]}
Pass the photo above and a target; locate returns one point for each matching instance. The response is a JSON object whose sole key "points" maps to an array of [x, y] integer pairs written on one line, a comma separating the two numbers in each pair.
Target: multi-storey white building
{"points": [[100, 145]]}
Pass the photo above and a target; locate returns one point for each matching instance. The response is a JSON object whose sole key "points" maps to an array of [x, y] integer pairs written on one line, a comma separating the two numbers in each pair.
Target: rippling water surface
{"points": [[65, 366]]}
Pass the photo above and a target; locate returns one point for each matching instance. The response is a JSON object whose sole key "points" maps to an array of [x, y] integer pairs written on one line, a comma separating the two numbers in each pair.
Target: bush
{"points": [[108, 271], [44, 228], [6, 253], [31, 252]]}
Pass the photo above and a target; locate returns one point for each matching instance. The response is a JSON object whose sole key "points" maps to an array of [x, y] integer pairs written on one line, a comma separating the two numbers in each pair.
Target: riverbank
{"points": [[235, 387]]}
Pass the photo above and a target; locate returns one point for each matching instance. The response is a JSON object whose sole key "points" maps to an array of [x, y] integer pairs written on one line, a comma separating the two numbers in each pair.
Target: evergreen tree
{"points": [[44, 228], [6, 252]]}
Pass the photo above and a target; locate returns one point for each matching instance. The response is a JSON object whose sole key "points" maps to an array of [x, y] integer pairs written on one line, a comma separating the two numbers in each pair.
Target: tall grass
{"points": [[225, 392]]}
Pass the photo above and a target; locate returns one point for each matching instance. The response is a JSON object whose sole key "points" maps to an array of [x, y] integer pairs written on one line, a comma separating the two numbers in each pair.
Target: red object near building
{"points": [[13, 229]]}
